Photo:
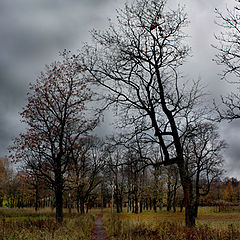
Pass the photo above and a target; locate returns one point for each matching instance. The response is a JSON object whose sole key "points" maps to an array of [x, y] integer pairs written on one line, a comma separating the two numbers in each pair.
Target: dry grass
{"points": [[28, 225], [170, 226]]}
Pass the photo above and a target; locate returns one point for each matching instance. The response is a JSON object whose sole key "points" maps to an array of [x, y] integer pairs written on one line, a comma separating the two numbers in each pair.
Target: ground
{"points": [[26, 224]]}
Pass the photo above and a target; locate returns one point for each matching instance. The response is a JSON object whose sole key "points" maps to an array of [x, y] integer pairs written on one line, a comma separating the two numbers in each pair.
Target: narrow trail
{"points": [[98, 232]]}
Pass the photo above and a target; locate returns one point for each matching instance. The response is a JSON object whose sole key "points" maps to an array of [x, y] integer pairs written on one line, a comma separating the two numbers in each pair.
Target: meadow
{"points": [[210, 225], [27, 224]]}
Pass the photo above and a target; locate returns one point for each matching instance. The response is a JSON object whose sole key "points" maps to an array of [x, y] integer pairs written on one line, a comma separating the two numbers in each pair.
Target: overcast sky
{"points": [[32, 32]]}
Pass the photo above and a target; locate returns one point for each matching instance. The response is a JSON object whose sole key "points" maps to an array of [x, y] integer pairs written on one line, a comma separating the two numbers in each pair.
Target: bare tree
{"points": [[228, 56], [202, 150], [138, 61]]}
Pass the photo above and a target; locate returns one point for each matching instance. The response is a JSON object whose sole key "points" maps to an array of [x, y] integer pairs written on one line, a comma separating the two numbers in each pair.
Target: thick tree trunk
{"points": [[118, 205], [59, 203], [189, 208], [59, 193], [189, 204]]}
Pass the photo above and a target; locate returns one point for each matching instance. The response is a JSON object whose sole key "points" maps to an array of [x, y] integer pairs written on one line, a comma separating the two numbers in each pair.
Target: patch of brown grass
{"points": [[121, 228]]}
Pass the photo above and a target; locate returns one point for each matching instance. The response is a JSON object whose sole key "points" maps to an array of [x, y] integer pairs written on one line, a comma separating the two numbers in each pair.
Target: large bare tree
{"points": [[138, 60]]}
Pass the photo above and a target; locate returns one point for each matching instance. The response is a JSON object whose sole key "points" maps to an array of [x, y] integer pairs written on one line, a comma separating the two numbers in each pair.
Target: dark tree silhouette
{"points": [[202, 151], [55, 117], [138, 61]]}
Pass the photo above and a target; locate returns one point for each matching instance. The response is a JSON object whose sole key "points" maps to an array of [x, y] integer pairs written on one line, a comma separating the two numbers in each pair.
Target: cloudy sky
{"points": [[32, 32]]}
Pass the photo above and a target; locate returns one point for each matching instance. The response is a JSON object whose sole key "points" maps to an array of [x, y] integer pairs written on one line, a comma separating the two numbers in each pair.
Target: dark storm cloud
{"points": [[31, 35]]}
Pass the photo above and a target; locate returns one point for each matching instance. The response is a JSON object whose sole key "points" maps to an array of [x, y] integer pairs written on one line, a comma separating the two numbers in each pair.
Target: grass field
{"points": [[170, 226], [27, 224]]}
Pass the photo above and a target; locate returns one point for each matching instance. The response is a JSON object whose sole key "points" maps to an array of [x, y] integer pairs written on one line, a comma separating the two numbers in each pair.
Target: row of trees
{"points": [[135, 65], [135, 188]]}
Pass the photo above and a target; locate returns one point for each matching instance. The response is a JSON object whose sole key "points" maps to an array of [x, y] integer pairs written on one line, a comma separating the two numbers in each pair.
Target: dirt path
{"points": [[98, 232]]}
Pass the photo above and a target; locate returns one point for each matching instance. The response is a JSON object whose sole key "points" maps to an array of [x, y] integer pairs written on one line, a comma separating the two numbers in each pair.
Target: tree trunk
{"points": [[196, 208], [82, 205], [121, 204], [59, 191], [36, 198], [174, 194], [87, 208], [154, 204], [136, 205], [133, 207], [189, 208], [189, 204], [118, 204], [59, 203]]}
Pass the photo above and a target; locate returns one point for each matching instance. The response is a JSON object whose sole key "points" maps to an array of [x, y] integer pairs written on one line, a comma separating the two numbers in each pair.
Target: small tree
{"points": [[55, 117], [202, 150]]}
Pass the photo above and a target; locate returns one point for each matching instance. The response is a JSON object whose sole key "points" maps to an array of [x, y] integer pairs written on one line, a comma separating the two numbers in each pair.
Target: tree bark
{"points": [[188, 199], [59, 192], [59, 203], [82, 206], [36, 198]]}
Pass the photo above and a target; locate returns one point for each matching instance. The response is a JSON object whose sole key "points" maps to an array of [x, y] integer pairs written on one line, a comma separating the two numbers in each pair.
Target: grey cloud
{"points": [[31, 35], [232, 153]]}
